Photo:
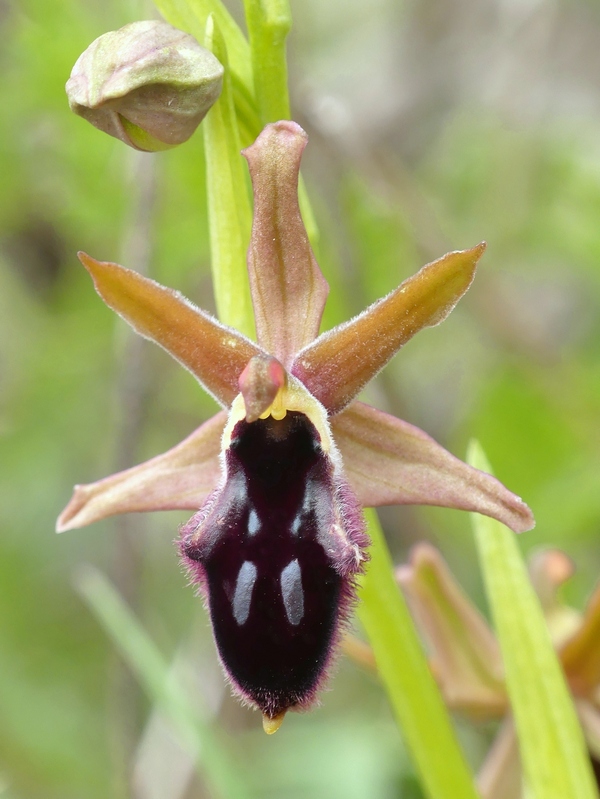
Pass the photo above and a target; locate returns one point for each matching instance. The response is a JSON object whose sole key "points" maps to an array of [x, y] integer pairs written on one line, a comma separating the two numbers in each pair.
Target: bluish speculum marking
{"points": [[273, 590], [292, 592], [242, 596]]}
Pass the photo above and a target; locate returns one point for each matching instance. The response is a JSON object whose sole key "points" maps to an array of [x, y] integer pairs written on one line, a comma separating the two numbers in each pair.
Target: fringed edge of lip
{"points": [[354, 526]]}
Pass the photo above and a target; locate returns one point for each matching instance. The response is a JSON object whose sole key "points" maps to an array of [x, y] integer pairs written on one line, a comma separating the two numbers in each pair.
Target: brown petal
{"points": [[501, 776], [390, 462], [259, 383], [341, 362], [580, 655], [214, 354], [465, 655], [288, 289], [180, 479]]}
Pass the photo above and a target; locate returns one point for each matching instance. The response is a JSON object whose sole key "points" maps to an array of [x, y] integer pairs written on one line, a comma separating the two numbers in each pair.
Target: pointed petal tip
{"points": [[87, 260], [61, 526], [68, 518], [179, 479], [73, 515], [472, 253], [522, 520], [511, 510], [515, 513], [337, 365], [391, 462]]}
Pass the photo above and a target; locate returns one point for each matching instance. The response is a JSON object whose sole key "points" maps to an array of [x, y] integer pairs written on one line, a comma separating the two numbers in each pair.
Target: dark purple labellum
{"points": [[276, 548]]}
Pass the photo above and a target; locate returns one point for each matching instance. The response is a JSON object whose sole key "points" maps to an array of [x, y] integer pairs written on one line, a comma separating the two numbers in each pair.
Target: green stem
{"points": [[411, 688], [269, 22], [229, 211]]}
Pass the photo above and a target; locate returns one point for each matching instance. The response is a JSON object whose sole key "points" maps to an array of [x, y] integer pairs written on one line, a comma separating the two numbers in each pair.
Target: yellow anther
{"points": [[277, 408]]}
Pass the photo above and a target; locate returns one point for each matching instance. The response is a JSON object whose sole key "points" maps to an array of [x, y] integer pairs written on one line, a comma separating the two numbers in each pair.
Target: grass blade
{"points": [[553, 751], [411, 688], [146, 662]]}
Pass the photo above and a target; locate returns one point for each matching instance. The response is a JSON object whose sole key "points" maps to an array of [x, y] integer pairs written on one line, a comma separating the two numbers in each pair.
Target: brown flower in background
{"points": [[466, 659]]}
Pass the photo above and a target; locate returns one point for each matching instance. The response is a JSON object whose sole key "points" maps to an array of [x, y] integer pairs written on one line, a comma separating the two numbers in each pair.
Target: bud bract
{"points": [[147, 83]]}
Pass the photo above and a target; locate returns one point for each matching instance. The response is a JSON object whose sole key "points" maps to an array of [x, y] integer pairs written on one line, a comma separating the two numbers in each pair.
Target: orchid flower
{"points": [[466, 659], [278, 477]]}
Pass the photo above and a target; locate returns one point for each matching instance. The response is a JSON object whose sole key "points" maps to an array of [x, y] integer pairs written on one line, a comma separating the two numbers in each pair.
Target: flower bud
{"points": [[147, 83]]}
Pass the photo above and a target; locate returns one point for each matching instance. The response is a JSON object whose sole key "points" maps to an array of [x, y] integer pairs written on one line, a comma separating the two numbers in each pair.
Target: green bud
{"points": [[148, 84]]}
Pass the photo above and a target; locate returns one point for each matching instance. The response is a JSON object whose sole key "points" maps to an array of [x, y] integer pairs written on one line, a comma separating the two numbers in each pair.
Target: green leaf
{"points": [[229, 211], [146, 662], [553, 751], [405, 674]]}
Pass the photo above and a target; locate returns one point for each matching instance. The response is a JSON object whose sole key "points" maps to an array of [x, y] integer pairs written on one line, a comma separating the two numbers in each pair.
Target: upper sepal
{"points": [[288, 289], [215, 354], [341, 362]]}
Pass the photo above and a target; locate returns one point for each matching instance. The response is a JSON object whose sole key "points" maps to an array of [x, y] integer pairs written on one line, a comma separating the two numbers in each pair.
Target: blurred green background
{"points": [[433, 124]]}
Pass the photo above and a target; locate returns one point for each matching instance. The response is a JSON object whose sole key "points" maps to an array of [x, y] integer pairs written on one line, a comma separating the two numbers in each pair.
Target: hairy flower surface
{"points": [[466, 659], [280, 475]]}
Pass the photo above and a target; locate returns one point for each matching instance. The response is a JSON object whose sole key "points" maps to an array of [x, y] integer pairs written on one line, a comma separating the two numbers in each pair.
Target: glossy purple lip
{"points": [[275, 580]]}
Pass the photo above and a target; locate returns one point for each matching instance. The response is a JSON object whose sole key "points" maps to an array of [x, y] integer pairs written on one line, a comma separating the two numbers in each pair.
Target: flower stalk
{"points": [[269, 22], [229, 211]]}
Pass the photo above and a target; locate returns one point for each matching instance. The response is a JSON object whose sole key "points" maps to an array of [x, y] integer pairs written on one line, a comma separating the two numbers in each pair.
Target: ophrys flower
{"points": [[279, 477]]}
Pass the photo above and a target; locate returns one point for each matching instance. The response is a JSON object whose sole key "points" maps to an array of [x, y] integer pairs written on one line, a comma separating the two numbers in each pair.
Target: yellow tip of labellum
{"points": [[271, 725]]}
